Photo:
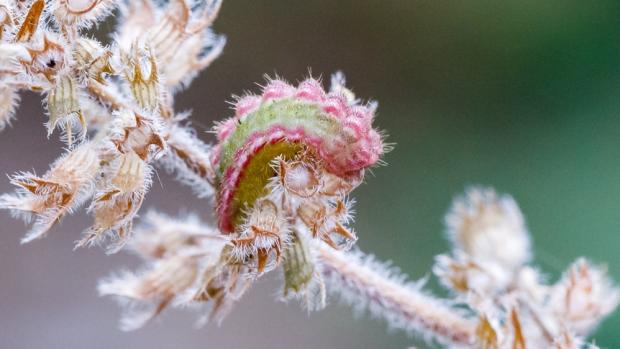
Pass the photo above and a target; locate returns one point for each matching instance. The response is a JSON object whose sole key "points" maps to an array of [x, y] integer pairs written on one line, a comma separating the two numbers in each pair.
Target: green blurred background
{"points": [[521, 95]]}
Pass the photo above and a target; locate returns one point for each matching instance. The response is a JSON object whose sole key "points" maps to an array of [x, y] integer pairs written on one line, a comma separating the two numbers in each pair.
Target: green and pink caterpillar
{"points": [[284, 121]]}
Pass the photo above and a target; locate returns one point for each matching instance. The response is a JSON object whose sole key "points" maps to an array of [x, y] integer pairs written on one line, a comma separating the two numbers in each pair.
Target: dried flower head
{"points": [[489, 228], [515, 307], [187, 262], [125, 183], [68, 183], [178, 33], [108, 101], [584, 296]]}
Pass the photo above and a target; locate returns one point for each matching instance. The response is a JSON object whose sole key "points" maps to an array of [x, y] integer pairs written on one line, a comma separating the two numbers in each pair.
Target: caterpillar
{"points": [[282, 122]]}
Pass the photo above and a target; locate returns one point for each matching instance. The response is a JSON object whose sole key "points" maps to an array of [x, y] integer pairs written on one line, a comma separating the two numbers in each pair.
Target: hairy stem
{"points": [[364, 283]]}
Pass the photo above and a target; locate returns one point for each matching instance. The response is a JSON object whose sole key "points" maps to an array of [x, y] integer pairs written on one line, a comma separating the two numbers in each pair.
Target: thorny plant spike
{"points": [[281, 172]]}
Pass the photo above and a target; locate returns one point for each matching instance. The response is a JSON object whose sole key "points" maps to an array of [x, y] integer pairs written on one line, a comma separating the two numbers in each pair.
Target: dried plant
{"points": [[281, 174]]}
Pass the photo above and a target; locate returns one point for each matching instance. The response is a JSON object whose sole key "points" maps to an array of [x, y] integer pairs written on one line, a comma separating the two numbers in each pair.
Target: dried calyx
{"points": [[112, 105]]}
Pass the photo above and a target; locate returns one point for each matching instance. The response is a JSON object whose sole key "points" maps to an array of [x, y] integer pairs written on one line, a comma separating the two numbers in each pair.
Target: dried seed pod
{"points": [[486, 336], [12, 59], [261, 237], [161, 236], [191, 269], [327, 221], [64, 108], [463, 275], [188, 158], [141, 134], [140, 71], [126, 181], [152, 291], [92, 61], [68, 183]]}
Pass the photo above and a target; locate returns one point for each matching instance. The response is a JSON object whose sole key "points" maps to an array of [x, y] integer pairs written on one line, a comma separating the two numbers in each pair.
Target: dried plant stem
{"points": [[106, 96], [402, 306]]}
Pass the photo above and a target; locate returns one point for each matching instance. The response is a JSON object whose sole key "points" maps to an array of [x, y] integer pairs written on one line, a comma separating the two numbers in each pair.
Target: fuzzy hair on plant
{"points": [[280, 175]]}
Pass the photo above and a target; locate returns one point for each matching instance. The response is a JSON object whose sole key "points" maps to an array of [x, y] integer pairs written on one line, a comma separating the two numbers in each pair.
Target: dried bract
{"points": [[64, 109], [178, 33], [584, 297], [186, 263], [68, 183], [140, 69], [125, 183]]}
